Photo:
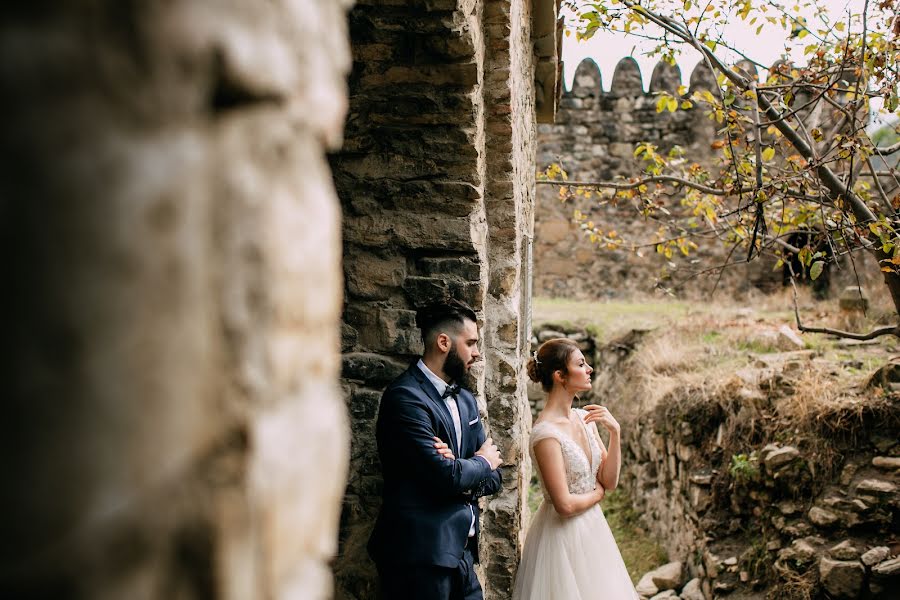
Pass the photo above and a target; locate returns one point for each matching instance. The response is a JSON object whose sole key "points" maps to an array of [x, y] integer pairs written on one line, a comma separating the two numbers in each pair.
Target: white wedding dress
{"points": [[574, 558]]}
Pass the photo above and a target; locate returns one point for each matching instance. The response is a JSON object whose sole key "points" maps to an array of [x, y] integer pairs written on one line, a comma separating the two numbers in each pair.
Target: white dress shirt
{"points": [[441, 386]]}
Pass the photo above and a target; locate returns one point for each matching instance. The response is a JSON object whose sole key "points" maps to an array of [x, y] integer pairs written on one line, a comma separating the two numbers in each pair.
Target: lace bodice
{"points": [[581, 471]]}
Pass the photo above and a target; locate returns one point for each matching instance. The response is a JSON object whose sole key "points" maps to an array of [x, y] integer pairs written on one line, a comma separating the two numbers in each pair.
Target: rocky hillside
{"points": [[768, 464]]}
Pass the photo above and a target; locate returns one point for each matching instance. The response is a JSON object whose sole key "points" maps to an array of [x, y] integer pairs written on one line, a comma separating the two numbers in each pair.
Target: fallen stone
{"points": [[822, 517], [789, 507], [877, 487], [886, 462], [841, 579], [885, 579], [666, 595], [780, 457], [875, 555], [669, 576], [645, 587], [844, 551], [789, 339], [888, 568], [692, 590]]}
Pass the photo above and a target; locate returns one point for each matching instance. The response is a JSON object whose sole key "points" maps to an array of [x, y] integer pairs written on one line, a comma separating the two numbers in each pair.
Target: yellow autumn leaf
{"points": [[768, 154]]}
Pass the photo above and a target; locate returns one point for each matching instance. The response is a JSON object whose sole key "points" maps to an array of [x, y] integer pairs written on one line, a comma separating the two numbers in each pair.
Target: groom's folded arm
{"points": [[493, 481], [411, 424], [490, 485]]}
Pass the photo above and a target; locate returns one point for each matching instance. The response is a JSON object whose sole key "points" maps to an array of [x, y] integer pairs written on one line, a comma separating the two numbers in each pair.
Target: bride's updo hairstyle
{"points": [[552, 355]]}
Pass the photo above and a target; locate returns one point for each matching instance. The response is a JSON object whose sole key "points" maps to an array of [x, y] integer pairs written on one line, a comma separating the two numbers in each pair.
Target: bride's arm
{"points": [[612, 456], [548, 454], [612, 463]]}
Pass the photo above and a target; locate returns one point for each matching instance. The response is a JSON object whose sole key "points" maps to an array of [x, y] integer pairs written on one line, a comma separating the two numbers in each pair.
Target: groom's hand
{"points": [[443, 449], [490, 452]]}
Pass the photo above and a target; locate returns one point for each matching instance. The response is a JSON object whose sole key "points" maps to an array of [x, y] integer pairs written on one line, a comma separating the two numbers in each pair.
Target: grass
{"points": [[606, 318], [640, 551], [722, 357]]}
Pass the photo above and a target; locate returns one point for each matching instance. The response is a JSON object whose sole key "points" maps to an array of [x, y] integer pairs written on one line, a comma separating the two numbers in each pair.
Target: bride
{"points": [[570, 553]]}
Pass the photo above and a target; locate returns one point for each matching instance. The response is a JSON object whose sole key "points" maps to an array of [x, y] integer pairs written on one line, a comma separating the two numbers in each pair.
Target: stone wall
{"points": [[509, 207], [594, 138], [436, 180], [754, 501], [171, 253]]}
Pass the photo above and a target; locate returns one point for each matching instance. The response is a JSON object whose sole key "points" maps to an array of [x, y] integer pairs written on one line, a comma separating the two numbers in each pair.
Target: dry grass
{"points": [[710, 367]]}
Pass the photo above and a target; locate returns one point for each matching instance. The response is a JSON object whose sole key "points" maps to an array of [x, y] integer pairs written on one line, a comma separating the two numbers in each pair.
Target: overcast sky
{"points": [[606, 49]]}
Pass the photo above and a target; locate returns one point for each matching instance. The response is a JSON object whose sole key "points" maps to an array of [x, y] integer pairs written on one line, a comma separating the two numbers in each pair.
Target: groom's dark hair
{"points": [[440, 317]]}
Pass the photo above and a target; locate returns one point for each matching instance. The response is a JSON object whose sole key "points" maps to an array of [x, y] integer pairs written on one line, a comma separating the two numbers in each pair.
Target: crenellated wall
{"points": [[594, 138]]}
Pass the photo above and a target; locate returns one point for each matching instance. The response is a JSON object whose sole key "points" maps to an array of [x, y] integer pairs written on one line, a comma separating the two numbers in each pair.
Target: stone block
{"points": [[424, 290], [875, 555], [845, 550], [374, 369], [841, 579], [890, 463], [692, 590], [371, 276], [461, 267], [391, 330], [780, 457], [823, 517], [669, 576], [875, 488], [645, 587]]}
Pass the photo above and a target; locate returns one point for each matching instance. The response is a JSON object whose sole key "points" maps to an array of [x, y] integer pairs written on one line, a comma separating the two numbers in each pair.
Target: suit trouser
{"points": [[428, 582]]}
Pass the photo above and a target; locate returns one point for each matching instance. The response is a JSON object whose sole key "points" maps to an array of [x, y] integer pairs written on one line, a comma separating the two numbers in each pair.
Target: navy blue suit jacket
{"points": [[425, 516]]}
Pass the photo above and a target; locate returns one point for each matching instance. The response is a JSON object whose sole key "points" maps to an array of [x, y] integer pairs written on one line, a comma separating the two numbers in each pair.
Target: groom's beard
{"points": [[455, 368]]}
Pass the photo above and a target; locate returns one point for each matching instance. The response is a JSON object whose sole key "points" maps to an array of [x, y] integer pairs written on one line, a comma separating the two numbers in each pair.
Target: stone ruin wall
{"points": [[173, 425], [825, 522], [436, 180], [594, 139]]}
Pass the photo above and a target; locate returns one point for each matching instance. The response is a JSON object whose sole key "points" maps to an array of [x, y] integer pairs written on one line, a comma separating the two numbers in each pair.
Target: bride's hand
{"points": [[601, 414]]}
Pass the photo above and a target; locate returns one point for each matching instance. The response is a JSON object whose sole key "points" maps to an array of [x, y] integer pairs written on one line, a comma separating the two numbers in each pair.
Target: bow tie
{"points": [[452, 390]]}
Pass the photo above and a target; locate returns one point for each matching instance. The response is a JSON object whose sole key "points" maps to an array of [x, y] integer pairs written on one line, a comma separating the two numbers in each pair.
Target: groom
{"points": [[436, 463]]}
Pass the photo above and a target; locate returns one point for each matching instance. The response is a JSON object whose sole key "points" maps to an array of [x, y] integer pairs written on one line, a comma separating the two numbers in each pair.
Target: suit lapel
{"points": [[463, 404], [442, 410]]}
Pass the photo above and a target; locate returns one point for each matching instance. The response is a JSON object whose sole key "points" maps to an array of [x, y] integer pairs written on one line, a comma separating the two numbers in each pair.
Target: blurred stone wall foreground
{"points": [[172, 425]]}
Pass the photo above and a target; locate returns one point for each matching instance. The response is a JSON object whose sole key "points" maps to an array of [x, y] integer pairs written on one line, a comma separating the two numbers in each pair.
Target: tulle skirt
{"points": [[571, 559]]}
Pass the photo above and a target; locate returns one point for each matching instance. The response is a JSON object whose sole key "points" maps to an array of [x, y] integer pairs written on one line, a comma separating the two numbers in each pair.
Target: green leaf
{"points": [[816, 269]]}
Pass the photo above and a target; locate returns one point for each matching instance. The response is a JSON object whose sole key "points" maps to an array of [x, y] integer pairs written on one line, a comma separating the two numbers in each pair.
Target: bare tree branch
{"points": [[875, 333], [634, 185], [885, 150]]}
